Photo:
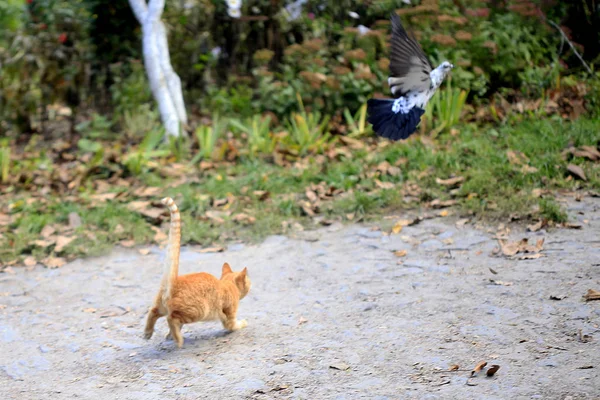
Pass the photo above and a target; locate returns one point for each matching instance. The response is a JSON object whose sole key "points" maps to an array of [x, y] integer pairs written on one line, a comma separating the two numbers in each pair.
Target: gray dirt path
{"points": [[332, 315]]}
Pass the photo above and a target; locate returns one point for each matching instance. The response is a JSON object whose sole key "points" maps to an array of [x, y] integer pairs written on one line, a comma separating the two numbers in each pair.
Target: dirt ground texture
{"points": [[333, 314]]}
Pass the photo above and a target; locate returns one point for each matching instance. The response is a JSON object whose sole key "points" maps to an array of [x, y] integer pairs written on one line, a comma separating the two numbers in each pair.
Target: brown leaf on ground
{"points": [[144, 252], [62, 242], [537, 226], [592, 295], [454, 367], [571, 225], [243, 218], [397, 228], [589, 152], [54, 262], [101, 197], [478, 368], [211, 250], [576, 172], [437, 203], [340, 366], [44, 243], [159, 236], [500, 283], [384, 185], [400, 253], [217, 216], [29, 261], [5, 219], [516, 157], [450, 181], [89, 310], [127, 243], [539, 192], [534, 256], [151, 191], [309, 209], [492, 370], [510, 249], [47, 231], [528, 169], [262, 194], [462, 222], [144, 208], [311, 196]]}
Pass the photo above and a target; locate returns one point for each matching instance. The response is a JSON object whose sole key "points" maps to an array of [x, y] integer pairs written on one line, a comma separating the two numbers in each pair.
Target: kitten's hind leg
{"points": [[229, 321], [175, 330], [153, 315]]}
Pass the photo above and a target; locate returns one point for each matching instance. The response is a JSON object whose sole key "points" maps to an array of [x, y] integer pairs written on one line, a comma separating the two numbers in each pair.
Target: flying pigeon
{"points": [[413, 81]]}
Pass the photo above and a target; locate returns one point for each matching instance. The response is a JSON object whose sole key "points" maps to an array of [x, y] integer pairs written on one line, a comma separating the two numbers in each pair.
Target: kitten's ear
{"points": [[241, 276], [226, 270]]}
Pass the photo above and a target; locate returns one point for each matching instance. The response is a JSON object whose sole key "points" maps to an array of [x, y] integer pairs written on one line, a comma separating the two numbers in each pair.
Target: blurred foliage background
{"points": [[85, 54]]}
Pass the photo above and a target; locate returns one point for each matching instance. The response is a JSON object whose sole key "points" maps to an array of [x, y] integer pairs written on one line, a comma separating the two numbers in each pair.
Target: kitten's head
{"points": [[240, 279]]}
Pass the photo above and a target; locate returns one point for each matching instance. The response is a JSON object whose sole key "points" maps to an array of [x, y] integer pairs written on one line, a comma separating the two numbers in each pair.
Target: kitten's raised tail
{"points": [[172, 260]]}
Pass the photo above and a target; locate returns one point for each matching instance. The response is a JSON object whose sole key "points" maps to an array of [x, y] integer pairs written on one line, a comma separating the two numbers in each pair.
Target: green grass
{"points": [[493, 188]]}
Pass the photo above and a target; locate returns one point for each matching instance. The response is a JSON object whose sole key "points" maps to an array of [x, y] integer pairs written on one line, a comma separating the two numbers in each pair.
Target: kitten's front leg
{"points": [[229, 321]]}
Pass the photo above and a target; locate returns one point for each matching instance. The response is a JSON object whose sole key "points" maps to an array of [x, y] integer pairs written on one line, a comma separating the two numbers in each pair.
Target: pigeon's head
{"points": [[446, 66], [439, 74]]}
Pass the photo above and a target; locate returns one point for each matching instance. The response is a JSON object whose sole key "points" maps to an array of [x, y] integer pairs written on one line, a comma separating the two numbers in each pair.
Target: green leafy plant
{"points": [[4, 161], [357, 124], [139, 159], [445, 109], [260, 138], [98, 127], [307, 131], [207, 139]]}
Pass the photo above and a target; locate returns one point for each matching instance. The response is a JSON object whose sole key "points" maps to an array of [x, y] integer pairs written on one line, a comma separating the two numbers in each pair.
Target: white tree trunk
{"points": [[164, 82]]}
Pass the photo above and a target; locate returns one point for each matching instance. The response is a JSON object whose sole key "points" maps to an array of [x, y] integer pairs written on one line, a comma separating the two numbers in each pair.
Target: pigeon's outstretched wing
{"points": [[409, 66]]}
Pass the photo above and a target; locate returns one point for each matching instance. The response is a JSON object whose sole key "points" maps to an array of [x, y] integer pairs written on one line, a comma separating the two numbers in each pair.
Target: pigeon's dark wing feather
{"points": [[409, 66]]}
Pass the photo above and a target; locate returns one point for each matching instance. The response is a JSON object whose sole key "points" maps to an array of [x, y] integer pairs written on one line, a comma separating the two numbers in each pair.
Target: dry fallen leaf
{"points": [[44, 243], [444, 213], [437, 203], [54, 262], [340, 366], [492, 370], [29, 261], [534, 256], [62, 242], [397, 228], [400, 253], [302, 320], [576, 172], [537, 226], [592, 295], [384, 185], [500, 283], [478, 368], [47, 231], [144, 252], [454, 367], [159, 236], [212, 250], [450, 181], [5, 219], [127, 243], [89, 310]]}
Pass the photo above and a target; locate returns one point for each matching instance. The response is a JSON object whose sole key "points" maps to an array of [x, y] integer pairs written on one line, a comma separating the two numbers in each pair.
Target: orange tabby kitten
{"points": [[195, 297]]}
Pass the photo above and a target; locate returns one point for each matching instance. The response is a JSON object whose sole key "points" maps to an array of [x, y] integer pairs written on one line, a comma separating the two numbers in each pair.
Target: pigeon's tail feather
{"points": [[389, 124]]}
